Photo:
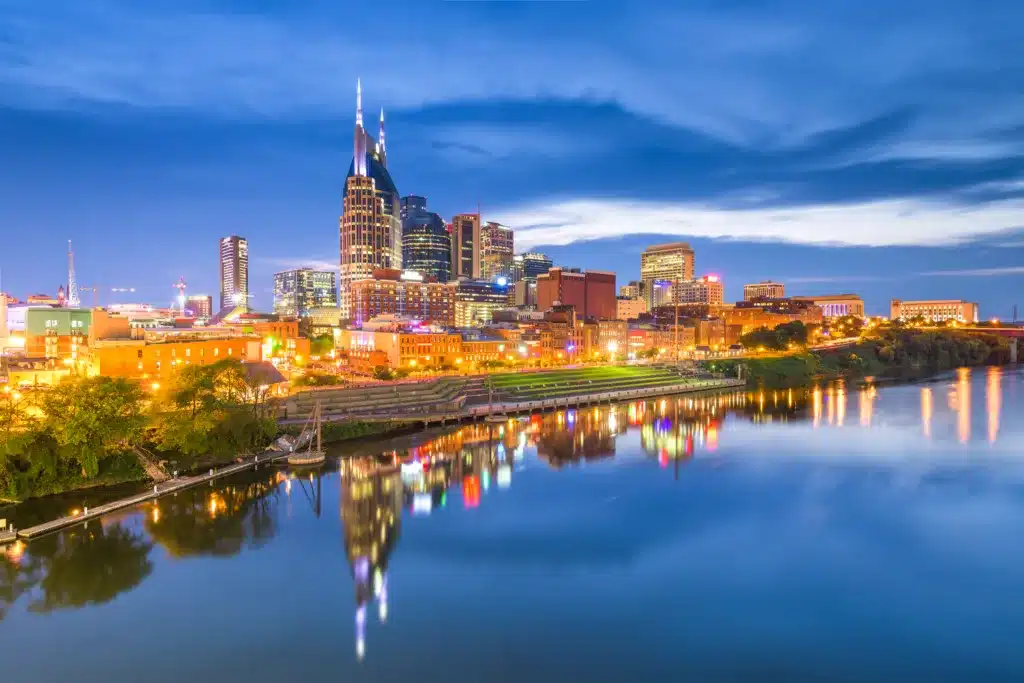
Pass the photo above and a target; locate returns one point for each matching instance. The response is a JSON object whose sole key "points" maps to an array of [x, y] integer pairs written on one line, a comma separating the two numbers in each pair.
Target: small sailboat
{"points": [[310, 456]]}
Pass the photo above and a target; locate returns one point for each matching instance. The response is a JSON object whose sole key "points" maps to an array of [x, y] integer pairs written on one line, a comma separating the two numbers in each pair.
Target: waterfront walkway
{"points": [[158, 490]]}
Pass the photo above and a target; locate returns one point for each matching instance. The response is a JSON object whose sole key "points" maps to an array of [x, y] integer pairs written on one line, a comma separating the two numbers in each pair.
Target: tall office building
{"points": [[426, 241], [298, 291], [466, 246], [234, 272], [371, 225], [497, 250], [664, 263], [535, 263]]}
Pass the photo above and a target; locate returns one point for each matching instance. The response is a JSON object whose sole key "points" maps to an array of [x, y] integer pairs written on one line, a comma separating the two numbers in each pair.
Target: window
{"points": [[188, 353], [216, 352]]}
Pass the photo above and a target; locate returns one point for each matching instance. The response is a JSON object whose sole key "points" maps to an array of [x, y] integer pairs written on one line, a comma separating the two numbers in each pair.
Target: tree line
{"points": [[85, 431]]}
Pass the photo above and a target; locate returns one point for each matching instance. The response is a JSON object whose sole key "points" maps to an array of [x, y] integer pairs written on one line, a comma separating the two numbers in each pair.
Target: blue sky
{"points": [[841, 146]]}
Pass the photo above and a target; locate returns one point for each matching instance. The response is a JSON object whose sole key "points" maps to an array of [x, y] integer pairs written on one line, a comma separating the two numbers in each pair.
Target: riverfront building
{"points": [[391, 292], [836, 305], [234, 272], [297, 292], [665, 263], [764, 290], [935, 311], [371, 226]]}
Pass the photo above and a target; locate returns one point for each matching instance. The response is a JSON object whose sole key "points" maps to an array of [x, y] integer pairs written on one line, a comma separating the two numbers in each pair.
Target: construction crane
{"points": [[95, 294]]}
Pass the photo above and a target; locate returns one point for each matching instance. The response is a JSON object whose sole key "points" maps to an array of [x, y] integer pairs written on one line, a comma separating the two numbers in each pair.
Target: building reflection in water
{"points": [[993, 401], [963, 404], [474, 461], [926, 412]]}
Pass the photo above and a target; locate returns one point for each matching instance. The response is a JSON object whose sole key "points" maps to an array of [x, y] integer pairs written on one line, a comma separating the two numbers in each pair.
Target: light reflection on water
{"points": [[782, 528]]}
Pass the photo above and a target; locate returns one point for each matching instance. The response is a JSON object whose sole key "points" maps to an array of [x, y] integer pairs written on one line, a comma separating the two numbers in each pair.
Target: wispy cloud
{"points": [[904, 222], [834, 278], [975, 272]]}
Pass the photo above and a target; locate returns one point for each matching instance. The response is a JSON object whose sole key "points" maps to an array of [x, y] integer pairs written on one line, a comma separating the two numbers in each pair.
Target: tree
{"points": [[382, 372], [94, 418]]}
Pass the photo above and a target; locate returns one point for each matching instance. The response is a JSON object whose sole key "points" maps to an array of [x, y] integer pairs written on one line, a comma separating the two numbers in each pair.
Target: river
{"points": [[861, 534]]}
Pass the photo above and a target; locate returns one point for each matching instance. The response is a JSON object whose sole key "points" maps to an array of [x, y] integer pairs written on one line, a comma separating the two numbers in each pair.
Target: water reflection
{"points": [[465, 470]]}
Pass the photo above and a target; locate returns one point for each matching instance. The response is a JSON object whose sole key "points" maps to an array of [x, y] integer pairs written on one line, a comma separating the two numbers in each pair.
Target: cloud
{"points": [[901, 222], [975, 272], [755, 75], [834, 278]]}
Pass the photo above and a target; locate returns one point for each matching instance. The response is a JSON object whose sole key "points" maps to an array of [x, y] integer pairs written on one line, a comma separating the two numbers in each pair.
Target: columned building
{"points": [[371, 226]]}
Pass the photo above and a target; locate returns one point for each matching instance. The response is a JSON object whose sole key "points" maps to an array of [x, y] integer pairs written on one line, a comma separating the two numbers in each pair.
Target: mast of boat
{"points": [[319, 448]]}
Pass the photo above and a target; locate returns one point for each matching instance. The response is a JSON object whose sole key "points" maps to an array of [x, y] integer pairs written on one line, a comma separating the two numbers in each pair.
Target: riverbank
{"points": [[902, 355]]}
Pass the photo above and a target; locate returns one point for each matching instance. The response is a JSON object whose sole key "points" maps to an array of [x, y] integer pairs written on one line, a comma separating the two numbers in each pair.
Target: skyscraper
{"points": [[234, 272], [466, 246], [371, 226], [298, 291], [497, 250], [664, 263], [426, 241]]}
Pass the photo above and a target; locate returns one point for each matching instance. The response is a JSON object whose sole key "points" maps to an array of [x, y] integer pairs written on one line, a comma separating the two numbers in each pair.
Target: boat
{"points": [[310, 456]]}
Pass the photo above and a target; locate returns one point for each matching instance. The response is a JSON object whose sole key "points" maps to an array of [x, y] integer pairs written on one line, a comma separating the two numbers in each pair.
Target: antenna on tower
{"points": [[73, 300], [180, 286]]}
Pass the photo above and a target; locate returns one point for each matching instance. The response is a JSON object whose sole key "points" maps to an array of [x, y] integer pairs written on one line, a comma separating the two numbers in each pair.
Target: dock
{"points": [[158, 491]]}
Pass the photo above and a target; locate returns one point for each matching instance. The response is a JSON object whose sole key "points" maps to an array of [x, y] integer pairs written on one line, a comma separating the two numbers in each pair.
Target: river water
{"points": [[831, 535]]}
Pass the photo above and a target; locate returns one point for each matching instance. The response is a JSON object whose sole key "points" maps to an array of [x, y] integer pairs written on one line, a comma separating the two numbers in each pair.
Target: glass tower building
{"points": [[426, 241]]}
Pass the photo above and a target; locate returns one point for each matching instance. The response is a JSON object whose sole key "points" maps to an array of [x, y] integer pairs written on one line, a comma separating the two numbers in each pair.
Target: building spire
{"points": [[359, 102], [383, 147]]}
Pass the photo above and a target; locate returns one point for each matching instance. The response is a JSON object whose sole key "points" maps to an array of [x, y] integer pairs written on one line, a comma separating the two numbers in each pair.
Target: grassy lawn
{"points": [[528, 379]]}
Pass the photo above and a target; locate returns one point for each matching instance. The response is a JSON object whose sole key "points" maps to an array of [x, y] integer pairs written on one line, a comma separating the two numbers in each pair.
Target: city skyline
{"points": [[759, 169]]}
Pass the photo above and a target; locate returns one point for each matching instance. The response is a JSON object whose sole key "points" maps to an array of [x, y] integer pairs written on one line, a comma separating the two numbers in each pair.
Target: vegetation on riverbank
{"points": [[87, 432], [894, 352]]}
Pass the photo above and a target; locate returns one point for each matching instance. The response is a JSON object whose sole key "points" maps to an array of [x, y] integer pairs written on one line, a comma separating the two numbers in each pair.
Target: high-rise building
{"points": [[664, 263], [705, 290], [476, 301], [466, 246], [935, 311], [298, 291], [234, 272], [497, 251], [371, 225], [764, 290], [426, 241], [392, 292], [199, 305], [590, 293]]}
